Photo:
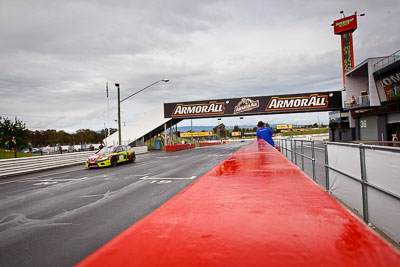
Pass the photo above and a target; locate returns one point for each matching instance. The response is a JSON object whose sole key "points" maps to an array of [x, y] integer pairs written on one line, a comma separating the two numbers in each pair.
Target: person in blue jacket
{"points": [[265, 133]]}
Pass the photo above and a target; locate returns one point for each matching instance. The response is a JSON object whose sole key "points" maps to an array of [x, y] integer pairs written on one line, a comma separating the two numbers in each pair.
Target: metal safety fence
{"points": [[364, 177]]}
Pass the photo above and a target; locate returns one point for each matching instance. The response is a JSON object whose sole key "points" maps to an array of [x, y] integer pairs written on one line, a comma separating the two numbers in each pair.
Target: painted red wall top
{"points": [[254, 209]]}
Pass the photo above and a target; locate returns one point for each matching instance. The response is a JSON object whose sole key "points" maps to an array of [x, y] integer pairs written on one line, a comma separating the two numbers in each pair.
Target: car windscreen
{"points": [[106, 150]]}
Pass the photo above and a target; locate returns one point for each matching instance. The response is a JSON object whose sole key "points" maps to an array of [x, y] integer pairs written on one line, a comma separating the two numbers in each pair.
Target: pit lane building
{"points": [[371, 102]]}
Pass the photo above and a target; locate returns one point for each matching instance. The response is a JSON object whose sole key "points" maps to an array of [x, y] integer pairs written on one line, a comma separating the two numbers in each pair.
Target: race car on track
{"points": [[111, 156]]}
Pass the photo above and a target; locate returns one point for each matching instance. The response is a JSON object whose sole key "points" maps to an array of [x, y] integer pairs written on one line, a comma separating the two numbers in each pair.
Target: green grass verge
{"points": [[10, 155]]}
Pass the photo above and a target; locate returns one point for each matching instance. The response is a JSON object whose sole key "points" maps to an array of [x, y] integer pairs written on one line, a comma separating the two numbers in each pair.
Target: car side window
{"points": [[119, 149]]}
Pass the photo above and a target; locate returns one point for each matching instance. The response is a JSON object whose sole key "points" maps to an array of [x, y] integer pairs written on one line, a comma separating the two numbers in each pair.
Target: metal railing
{"points": [[359, 101], [17, 166], [293, 149], [363, 181], [10, 167], [387, 61]]}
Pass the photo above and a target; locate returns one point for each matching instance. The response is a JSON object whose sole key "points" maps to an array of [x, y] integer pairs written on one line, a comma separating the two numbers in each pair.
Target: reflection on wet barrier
{"points": [[254, 209]]}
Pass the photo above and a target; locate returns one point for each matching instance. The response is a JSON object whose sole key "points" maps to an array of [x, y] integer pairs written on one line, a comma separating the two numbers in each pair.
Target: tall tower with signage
{"points": [[345, 28]]}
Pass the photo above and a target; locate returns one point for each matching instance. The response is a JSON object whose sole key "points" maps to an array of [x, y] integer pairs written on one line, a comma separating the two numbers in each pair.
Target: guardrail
{"points": [[16, 166]]}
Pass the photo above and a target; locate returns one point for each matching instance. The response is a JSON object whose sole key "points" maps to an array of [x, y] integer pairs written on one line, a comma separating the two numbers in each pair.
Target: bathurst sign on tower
{"points": [[258, 105]]}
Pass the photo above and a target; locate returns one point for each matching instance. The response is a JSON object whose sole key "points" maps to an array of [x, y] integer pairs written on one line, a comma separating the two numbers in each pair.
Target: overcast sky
{"points": [[57, 56]]}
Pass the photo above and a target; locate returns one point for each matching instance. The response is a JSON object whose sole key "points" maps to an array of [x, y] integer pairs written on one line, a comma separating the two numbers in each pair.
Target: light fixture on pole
{"points": [[120, 101]]}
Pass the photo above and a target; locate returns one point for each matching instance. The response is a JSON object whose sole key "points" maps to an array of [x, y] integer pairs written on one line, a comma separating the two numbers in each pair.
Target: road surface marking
{"points": [[167, 178], [45, 183], [63, 180], [161, 182], [55, 181]]}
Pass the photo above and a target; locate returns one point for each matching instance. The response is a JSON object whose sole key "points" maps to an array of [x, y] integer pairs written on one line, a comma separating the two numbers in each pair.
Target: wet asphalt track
{"points": [[59, 217]]}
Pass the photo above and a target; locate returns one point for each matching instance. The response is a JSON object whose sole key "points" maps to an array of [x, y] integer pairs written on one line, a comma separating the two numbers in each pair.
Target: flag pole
{"points": [[108, 111]]}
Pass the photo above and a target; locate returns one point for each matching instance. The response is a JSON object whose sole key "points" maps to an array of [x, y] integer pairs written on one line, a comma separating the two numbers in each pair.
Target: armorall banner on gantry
{"points": [[258, 105]]}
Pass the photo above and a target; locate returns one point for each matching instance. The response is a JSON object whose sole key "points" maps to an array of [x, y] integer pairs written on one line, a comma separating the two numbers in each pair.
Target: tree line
{"points": [[22, 135], [222, 132]]}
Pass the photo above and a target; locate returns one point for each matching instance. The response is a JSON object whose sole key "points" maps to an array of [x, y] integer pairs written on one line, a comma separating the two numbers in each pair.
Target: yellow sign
{"points": [[196, 134], [284, 127], [236, 133]]}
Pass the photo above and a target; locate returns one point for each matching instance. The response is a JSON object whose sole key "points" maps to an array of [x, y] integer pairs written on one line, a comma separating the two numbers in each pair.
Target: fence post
{"points": [[279, 145], [364, 186], [302, 155], [313, 160], [292, 150], [295, 154], [286, 147], [326, 168]]}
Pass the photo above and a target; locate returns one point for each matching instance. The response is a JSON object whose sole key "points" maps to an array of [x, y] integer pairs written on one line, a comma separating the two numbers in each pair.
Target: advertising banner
{"points": [[345, 27], [347, 52], [196, 134], [259, 105], [284, 126], [345, 24], [236, 133], [387, 82]]}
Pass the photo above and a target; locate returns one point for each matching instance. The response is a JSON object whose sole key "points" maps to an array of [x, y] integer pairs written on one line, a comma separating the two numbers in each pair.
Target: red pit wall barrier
{"points": [[170, 148], [211, 143], [254, 209]]}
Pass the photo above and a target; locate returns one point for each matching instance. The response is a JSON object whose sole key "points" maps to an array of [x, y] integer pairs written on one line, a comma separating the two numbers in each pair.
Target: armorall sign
{"points": [[259, 105]]}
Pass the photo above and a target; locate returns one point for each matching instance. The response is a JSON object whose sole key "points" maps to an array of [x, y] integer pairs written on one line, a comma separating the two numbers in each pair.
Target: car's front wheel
{"points": [[114, 162]]}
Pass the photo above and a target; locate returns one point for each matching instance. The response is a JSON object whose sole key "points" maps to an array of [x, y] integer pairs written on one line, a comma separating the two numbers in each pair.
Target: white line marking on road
{"points": [[129, 176], [64, 180], [167, 178], [161, 182], [98, 195], [55, 181], [33, 178], [45, 183], [167, 157]]}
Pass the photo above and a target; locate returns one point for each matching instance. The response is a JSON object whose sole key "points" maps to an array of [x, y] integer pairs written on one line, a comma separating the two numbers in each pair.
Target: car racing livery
{"points": [[110, 156]]}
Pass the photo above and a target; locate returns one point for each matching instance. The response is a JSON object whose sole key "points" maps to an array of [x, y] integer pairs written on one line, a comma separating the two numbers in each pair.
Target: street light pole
{"points": [[119, 114], [120, 101]]}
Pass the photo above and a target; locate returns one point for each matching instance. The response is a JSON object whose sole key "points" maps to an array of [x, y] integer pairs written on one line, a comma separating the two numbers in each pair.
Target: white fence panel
{"points": [[384, 213], [383, 170], [347, 160]]}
